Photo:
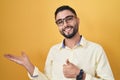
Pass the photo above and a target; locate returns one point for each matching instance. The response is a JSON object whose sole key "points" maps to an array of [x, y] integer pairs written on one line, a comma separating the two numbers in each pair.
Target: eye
{"points": [[69, 18], [59, 21]]}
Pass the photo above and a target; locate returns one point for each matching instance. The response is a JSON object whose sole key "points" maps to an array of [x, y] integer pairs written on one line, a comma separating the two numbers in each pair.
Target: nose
{"points": [[65, 24]]}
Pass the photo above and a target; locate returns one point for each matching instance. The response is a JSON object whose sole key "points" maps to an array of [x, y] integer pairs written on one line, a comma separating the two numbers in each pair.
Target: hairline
{"points": [[64, 7]]}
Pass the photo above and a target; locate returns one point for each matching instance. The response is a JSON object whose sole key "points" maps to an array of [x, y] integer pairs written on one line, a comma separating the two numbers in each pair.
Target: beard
{"points": [[69, 36]]}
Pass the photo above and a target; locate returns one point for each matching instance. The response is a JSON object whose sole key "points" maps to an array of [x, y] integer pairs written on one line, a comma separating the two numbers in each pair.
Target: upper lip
{"points": [[67, 28]]}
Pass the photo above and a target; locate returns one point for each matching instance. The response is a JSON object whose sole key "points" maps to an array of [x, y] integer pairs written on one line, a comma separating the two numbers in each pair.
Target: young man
{"points": [[75, 58]]}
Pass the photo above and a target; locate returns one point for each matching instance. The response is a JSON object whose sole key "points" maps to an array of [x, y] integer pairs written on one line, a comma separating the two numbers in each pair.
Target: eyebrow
{"points": [[65, 17]]}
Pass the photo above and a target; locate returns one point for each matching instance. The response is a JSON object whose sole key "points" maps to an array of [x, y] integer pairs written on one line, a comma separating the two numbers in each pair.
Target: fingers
{"points": [[70, 70], [11, 57], [22, 60], [23, 54], [8, 56], [67, 64]]}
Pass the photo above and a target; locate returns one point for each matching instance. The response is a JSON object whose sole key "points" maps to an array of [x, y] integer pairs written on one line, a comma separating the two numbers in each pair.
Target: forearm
{"points": [[87, 76], [91, 77], [30, 68], [37, 75]]}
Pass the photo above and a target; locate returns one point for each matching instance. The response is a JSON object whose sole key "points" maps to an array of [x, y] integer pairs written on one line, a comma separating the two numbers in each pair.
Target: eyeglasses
{"points": [[67, 19]]}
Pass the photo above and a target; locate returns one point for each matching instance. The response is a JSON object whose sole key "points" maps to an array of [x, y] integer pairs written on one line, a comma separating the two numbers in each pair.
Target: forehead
{"points": [[63, 14]]}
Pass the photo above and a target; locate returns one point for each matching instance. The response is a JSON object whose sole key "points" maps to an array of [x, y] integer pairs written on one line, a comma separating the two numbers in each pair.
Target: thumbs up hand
{"points": [[70, 70]]}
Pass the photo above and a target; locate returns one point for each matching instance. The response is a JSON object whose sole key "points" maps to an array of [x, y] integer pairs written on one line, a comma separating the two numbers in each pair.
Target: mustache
{"points": [[67, 27]]}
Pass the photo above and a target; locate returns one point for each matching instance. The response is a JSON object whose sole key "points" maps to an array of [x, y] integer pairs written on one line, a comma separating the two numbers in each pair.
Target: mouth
{"points": [[67, 29]]}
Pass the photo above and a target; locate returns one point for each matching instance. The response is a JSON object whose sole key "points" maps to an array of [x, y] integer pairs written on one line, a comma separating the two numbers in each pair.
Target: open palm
{"points": [[22, 60]]}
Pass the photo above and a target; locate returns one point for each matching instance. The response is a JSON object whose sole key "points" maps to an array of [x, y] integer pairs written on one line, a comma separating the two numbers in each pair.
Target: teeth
{"points": [[68, 29]]}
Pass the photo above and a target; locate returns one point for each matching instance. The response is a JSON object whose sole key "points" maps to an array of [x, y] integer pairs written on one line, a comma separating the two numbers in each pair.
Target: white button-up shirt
{"points": [[86, 55]]}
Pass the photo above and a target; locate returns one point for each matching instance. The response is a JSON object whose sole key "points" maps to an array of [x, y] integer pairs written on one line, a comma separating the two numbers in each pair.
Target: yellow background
{"points": [[28, 25]]}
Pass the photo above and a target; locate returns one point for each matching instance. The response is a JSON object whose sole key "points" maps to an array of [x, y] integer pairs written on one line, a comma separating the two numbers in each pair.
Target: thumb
{"points": [[67, 61], [23, 54]]}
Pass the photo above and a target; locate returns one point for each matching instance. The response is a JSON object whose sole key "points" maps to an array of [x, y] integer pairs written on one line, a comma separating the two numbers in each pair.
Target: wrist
{"points": [[77, 72], [84, 75], [30, 68], [81, 75]]}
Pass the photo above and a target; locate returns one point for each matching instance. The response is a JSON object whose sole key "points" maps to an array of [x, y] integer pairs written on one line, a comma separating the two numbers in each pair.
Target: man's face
{"points": [[67, 23]]}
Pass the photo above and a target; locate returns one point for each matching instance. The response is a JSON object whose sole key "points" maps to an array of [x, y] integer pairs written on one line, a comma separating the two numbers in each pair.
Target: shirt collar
{"points": [[82, 43]]}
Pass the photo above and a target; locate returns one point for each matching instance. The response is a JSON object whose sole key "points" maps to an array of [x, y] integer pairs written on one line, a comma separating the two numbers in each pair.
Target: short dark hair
{"points": [[64, 7]]}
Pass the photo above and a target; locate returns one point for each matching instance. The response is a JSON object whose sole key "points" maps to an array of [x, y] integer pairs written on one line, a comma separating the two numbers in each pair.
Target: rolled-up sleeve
{"points": [[37, 75]]}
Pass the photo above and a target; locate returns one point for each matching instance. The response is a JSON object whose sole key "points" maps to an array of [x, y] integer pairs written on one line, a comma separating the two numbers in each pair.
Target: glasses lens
{"points": [[59, 22], [67, 19]]}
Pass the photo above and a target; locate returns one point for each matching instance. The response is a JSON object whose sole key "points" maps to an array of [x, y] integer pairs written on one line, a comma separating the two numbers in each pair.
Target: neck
{"points": [[71, 43]]}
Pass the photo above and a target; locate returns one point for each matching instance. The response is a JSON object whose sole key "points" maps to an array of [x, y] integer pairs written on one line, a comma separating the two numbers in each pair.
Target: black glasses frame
{"points": [[67, 19]]}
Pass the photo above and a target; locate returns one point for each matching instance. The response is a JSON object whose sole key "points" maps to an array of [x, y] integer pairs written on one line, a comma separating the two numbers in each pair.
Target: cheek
{"points": [[77, 22], [60, 28], [73, 23]]}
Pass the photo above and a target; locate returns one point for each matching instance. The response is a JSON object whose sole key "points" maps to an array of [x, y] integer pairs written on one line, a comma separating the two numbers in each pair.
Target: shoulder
{"points": [[95, 48], [55, 47], [90, 44], [94, 44]]}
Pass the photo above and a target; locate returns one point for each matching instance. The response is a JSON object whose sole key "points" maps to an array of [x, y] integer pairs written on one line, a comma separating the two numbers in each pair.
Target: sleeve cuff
{"points": [[88, 77], [35, 73]]}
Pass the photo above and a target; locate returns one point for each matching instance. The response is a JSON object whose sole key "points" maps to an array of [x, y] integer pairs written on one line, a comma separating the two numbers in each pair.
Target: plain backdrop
{"points": [[29, 25]]}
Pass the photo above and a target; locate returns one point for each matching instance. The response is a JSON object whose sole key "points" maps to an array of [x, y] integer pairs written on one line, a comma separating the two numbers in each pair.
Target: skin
{"points": [[70, 42], [22, 60], [69, 69]]}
